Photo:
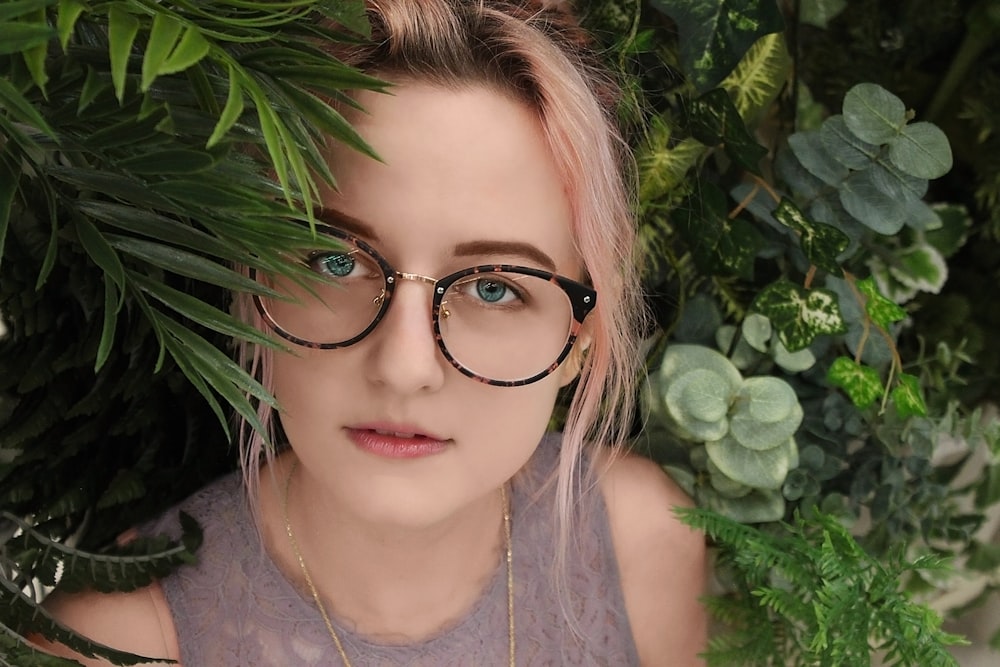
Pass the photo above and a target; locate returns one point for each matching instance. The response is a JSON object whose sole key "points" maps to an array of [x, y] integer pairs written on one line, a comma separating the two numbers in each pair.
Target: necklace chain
{"points": [[509, 557]]}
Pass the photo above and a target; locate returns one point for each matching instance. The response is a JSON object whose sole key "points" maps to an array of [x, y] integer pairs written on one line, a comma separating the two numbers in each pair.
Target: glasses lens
{"points": [[504, 325], [335, 308]]}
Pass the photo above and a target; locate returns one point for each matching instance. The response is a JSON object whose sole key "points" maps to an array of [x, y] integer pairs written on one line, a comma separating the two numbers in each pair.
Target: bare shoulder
{"points": [[662, 562], [138, 622]]}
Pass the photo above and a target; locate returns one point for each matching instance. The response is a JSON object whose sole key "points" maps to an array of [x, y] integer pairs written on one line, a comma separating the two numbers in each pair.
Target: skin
{"points": [[421, 536]]}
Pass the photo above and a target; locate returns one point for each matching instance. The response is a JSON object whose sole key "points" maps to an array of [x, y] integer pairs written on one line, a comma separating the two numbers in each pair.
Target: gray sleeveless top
{"points": [[235, 608]]}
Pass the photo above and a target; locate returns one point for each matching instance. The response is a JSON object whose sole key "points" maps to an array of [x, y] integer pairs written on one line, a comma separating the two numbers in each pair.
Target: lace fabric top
{"points": [[235, 607]]}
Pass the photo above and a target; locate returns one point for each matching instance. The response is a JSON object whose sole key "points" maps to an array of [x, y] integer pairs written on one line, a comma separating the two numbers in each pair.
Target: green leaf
{"points": [[761, 397], [713, 119], [863, 199], [101, 252], [759, 77], [907, 397], [821, 243], [921, 150], [718, 243], [170, 161], [820, 12], [18, 36], [811, 152], [34, 57], [844, 146], [184, 263], [190, 50], [9, 177], [701, 393], [873, 114], [69, 12], [756, 330], [861, 383], [231, 112], [327, 119], [12, 9], [162, 38], [122, 29], [715, 34], [112, 304], [882, 311], [920, 267], [348, 13], [22, 110], [799, 315], [760, 469]]}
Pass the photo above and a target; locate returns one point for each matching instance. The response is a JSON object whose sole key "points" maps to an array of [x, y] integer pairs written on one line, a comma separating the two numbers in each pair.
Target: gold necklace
{"points": [[322, 609]]}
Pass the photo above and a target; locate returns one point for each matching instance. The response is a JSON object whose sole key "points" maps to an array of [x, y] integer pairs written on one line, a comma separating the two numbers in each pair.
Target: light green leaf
{"points": [[12, 9], [793, 362], [725, 486], [231, 112], [873, 114], [122, 29], [184, 263], [685, 422], [348, 13], [701, 394], [820, 12], [861, 383], [954, 230], [907, 397], [767, 399], [799, 315], [34, 57], [764, 469], [759, 435], [882, 311], [162, 38], [761, 506], [681, 359], [69, 12], [757, 331], [191, 49], [921, 150]]}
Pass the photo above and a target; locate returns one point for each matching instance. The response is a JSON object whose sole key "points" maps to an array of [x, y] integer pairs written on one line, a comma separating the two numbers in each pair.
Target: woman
{"points": [[418, 516]]}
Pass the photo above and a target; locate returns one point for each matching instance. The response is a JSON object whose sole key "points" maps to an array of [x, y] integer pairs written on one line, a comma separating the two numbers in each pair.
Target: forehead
{"points": [[458, 166]]}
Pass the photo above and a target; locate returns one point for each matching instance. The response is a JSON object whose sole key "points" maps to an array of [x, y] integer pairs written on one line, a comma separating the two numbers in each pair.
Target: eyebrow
{"points": [[479, 248]]}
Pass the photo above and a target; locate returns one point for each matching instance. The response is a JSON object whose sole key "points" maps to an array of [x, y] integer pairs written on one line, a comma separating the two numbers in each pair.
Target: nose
{"points": [[403, 353]]}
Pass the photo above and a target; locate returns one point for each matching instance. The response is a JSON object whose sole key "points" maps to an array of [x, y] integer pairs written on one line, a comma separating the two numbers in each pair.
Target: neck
{"points": [[396, 583]]}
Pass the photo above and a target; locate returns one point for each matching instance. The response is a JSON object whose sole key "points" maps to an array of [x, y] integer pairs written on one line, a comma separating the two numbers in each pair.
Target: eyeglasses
{"points": [[499, 324]]}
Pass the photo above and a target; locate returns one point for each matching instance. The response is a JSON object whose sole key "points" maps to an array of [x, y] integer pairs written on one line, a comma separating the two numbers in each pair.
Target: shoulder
{"points": [[138, 622], [661, 561]]}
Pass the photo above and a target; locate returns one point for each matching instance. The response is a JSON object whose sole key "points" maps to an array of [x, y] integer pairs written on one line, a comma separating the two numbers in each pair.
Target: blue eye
{"points": [[491, 291], [337, 264]]}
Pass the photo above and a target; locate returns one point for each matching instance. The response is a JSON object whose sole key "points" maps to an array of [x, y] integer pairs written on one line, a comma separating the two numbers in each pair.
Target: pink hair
{"points": [[537, 55]]}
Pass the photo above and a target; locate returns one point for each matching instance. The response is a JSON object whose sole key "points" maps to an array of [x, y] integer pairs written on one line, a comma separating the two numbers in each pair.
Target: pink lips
{"points": [[395, 441]]}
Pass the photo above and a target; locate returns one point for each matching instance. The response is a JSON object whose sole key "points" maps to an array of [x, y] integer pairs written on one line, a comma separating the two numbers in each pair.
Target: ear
{"points": [[571, 366]]}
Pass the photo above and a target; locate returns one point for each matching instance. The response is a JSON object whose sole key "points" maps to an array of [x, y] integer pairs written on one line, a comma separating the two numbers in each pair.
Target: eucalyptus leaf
{"points": [[863, 199], [756, 330], [812, 154], [921, 217], [679, 360], [725, 486], [763, 469], [844, 146], [760, 506], [758, 435], [873, 114], [921, 150], [701, 394], [897, 184], [793, 362]]}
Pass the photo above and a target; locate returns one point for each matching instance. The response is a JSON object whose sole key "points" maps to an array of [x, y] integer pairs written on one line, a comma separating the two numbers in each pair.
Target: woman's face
{"points": [[388, 426]]}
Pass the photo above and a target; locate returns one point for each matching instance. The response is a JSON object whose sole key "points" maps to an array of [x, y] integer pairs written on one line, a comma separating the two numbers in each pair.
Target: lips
{"points": [[395, 441]]}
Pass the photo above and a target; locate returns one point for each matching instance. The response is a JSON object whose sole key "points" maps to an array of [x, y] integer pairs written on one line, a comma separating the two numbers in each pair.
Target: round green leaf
{"points": [[844, 147], [873, 114], [758, 435], [724, 485], [793, 362], [921, 150], [808, 148], [868, 204], [764, 469], [768, 399], [757, 507], [741, 354], [757, 331], [698, 394], [679, 359]]}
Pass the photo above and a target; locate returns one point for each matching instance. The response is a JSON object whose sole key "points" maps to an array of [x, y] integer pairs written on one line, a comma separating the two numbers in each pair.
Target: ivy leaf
{"points": [[873, 114], [715, 34], [821, 243], [920, 267], [907, 398], [718, 243], [861, 383], [882, 311], [714, 119], [799, 315]]}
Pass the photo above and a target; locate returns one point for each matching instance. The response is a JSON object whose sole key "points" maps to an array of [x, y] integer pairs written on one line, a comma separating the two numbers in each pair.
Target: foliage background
{"points": [[126, 184]]}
